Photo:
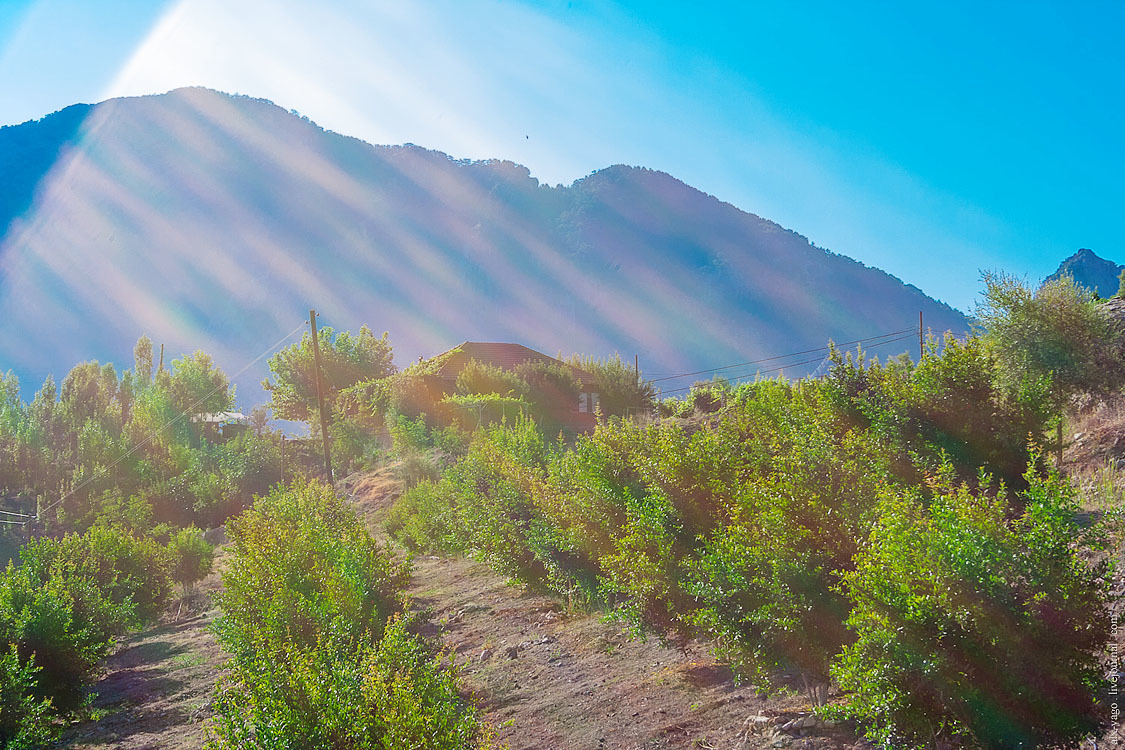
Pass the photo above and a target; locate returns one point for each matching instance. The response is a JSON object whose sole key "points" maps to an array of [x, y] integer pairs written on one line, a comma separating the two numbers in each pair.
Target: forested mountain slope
{"points": [[214, 221]]}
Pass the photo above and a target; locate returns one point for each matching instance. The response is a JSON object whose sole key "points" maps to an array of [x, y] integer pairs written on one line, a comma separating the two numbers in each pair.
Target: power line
{"points": [[785, 356], [173, 420], [789, 364]]}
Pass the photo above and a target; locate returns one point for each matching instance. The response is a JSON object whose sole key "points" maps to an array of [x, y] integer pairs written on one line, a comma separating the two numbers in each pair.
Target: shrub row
{"points": [[855, 530]]}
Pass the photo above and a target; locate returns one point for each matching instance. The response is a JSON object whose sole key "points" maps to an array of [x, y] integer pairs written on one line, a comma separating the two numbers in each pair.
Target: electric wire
{"points": [[785, 356], [784, 366]]}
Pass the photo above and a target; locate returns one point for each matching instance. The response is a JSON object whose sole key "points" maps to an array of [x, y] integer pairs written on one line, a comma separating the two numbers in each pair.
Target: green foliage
{"points": [[707, 397], [346, 360], [128, 570], [974, 628], [27, 722], [321, 657], [474, 411], [419, 518], [552, 388], [1053, 339], [198, 387], [62, 607], [949, 408], [118, 452], [302, 562], [390, 694], [66, 626], [619, 386], [477, 378], [748, 529], [191, 556], [142, 360]]}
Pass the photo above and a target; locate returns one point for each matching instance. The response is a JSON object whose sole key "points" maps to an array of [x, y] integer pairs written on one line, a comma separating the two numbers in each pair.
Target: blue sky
{"points": [[932, 141]]}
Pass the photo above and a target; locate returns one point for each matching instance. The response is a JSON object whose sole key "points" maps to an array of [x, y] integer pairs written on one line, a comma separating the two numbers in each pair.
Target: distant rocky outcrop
{"points": [[1093, 272]]}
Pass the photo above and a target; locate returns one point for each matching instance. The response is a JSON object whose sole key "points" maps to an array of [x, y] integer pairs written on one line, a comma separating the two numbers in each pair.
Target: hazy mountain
{"points": [[1091, 271], [215, 221]]}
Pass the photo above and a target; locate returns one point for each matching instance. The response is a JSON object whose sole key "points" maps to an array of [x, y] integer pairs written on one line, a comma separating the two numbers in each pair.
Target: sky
{"points": [[932, 142]]}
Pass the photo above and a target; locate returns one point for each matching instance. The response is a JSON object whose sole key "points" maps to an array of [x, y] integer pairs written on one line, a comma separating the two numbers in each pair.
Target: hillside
{"points": [[1091, 271], [214, 221]]}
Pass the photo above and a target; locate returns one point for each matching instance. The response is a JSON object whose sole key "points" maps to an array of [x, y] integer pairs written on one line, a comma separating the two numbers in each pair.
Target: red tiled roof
{"points": [[504, 356]]}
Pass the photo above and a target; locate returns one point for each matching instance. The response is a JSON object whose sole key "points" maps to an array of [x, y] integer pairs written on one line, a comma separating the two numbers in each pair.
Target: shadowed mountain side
{"points": [[214, 221]]}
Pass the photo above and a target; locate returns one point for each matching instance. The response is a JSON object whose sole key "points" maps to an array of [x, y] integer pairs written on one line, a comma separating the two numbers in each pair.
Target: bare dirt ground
{"points": [[546, 679], [156, 689]]}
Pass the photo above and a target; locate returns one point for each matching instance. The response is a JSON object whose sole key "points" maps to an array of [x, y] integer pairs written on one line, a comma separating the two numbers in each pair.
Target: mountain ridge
{"points": [[221, 202]]}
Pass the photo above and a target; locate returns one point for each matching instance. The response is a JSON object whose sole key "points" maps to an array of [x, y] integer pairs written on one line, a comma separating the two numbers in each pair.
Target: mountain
{"points": [[215, 221], [1092, 272]]}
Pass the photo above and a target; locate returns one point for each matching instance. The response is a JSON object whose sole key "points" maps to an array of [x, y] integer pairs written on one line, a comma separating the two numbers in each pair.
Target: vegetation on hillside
{"points": [[891, 531], [893, 538]]}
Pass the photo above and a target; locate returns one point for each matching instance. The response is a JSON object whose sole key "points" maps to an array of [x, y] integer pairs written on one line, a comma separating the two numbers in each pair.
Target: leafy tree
{"points": [[346, 359], [260, 420], [552, 388], [87, 392], [1051, 343], [198, 387], [142, 359], [1120, 285]]}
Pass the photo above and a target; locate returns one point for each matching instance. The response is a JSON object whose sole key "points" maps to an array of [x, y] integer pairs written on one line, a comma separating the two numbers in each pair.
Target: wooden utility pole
{"points": [[161, 367], [921, 338], [320, 398]]}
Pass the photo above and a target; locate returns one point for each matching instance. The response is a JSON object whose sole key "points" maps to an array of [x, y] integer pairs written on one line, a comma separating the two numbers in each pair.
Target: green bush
{"points": [[477, 378], [975, 629], [320, 655], [62, 607], [128, 570], [27, 722], [391, 694], [191, 556], [747, 529], [65, 626], [303, 564], [618, 385], [421, 518], [552, 390]]}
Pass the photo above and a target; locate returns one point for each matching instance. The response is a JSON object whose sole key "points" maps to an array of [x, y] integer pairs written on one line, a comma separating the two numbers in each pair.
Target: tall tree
{"points": [[142, 360], [89, 391], [346, 359], [198, 387]]}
